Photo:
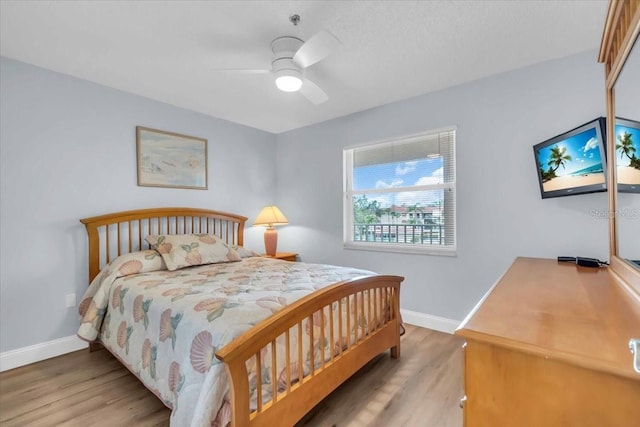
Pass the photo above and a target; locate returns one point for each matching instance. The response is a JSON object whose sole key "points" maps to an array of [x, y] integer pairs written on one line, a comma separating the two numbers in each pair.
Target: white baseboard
{"points": [[35, 353], [429, 321]]}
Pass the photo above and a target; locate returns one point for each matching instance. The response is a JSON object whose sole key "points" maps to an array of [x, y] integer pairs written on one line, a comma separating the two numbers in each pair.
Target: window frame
{"points": [[349, 193]]}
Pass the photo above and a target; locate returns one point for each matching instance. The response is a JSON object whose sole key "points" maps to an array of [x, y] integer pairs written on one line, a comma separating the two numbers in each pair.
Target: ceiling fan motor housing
{"points": [[284, 48]]}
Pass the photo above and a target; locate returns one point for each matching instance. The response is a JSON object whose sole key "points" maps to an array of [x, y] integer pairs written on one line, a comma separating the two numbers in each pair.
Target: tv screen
{"points": [[627, 142], [573, 162]]}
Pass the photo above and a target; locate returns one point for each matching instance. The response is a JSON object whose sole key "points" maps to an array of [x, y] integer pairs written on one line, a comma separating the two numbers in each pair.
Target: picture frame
{"points": [[170, 160]]}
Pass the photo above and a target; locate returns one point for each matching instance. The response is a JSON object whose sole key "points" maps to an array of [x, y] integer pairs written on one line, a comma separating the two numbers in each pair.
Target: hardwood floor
{"points": [[422, 388]]}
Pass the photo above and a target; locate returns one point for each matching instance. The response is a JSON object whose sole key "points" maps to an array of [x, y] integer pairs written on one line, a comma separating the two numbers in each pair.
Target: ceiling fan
{"points": [[291, 56]]}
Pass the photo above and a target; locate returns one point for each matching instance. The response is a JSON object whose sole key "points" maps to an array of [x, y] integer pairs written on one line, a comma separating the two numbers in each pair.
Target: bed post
{"points": [[395, 301], [94, 249]]}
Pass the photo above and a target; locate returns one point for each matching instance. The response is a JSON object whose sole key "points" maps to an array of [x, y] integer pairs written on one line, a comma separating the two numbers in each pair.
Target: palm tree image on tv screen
{"points": [[558, 157], [628, 163]]}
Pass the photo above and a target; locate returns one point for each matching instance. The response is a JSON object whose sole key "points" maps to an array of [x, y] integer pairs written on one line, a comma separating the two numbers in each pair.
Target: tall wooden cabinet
{"points": [[547, 346]]}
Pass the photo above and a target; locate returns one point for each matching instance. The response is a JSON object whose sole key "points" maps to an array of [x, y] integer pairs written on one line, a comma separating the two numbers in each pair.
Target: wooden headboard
{"points": [[118, 233]]}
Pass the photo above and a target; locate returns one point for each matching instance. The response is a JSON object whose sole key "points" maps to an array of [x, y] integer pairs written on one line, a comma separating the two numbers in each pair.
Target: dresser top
{"points": [[561, 311]]}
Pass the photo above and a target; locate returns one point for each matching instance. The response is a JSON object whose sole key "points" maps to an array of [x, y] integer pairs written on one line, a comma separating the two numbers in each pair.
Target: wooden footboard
{"points": [[375, 297]]}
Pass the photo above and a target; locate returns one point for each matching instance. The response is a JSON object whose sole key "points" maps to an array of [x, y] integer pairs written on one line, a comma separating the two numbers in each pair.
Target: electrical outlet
{"points": [[70, 300]]}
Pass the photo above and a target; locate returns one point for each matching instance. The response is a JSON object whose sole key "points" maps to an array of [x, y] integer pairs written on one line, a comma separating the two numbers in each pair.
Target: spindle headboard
{"points": [[118, 233]]}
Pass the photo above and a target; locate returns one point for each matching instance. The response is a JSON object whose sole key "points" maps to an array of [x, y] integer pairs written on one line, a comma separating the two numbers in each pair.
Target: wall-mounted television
{"points": [[573, 162], [627, 142]]}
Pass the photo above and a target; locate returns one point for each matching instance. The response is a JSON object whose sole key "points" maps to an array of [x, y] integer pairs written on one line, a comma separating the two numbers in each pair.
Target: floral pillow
{"points": [[244, 252], [185, 250], [136, 262]]}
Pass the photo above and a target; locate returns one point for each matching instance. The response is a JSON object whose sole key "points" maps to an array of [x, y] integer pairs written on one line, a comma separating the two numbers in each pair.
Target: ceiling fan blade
{"points": [[316, 48], [313, 93], [242, 70]]}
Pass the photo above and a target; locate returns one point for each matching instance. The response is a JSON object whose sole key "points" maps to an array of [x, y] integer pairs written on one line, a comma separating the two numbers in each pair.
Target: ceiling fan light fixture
{"points": [[288, 80]]}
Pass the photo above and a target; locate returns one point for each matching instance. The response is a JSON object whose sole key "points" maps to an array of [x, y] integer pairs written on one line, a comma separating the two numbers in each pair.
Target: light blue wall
{"points": [[68, 151], [499, 210]]}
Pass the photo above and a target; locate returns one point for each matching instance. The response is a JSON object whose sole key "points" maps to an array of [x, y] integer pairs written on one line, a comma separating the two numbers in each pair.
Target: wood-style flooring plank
{"points": [[422, 388]]}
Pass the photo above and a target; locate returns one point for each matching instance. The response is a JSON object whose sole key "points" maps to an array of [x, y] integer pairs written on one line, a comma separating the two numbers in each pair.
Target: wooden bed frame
{"points": [[123, 232]]}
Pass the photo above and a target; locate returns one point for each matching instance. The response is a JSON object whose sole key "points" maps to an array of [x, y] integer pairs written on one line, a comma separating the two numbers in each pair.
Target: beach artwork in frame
{"points": [[167, 159]]}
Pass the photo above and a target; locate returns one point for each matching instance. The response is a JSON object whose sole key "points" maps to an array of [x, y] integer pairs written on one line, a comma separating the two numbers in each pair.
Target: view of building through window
{"points": [[384, 216]]}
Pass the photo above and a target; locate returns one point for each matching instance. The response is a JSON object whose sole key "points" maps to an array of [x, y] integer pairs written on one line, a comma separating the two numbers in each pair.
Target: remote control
{"points": [[587, 262]]}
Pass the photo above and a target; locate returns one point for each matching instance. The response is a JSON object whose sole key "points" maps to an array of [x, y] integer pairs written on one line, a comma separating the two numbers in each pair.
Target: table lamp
{"points": [[271, 216]]}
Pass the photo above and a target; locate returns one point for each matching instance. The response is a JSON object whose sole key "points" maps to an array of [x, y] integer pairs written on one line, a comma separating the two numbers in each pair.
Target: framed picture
{"points": [[167, 159]]}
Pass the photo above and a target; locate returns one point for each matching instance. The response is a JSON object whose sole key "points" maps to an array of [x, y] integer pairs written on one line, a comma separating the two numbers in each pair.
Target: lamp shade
{"points": [[270, 216]]}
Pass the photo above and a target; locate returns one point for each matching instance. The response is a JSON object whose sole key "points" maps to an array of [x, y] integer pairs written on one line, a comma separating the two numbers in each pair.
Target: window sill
{"points": [[397, 248]]}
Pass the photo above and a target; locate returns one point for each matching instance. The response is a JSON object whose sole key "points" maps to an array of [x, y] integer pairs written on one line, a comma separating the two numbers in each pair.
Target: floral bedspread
{"points": [[166, 326]]}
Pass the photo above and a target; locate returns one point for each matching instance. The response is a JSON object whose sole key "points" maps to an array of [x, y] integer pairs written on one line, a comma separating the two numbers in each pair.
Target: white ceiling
{"points": [[391, 50]]}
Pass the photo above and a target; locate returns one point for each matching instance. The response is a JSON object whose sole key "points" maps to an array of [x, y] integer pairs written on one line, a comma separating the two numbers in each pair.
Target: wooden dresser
{"points": [[548, 346]]}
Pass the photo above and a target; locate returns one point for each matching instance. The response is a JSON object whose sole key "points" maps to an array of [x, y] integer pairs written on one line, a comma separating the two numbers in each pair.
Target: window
{"points": [[400, 195]]}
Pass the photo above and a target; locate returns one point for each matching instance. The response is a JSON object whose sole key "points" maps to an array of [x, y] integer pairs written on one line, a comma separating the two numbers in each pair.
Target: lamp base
{"points": [[270, 241]]}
